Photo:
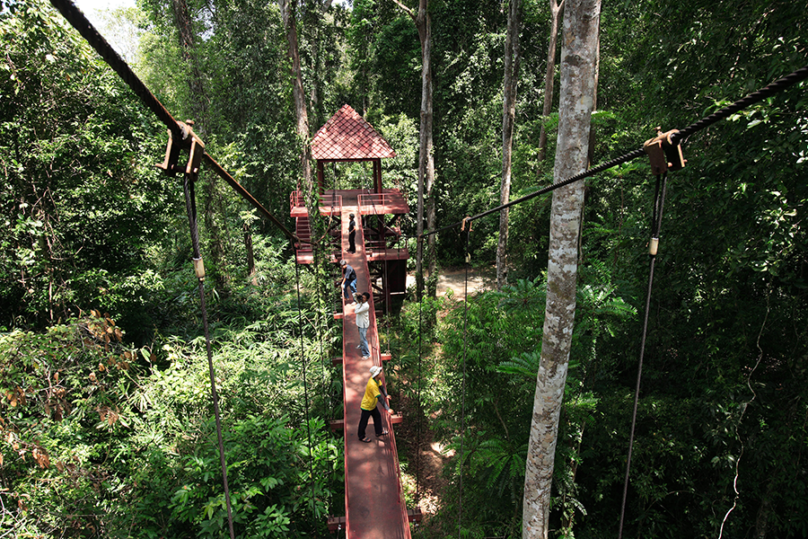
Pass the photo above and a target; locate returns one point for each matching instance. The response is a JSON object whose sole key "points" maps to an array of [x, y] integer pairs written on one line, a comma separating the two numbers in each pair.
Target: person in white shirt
{"points": [[363, 321]]}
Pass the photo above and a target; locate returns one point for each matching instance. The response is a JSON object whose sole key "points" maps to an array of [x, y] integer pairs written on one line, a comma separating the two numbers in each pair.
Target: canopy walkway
{"points": [[374, 499]]}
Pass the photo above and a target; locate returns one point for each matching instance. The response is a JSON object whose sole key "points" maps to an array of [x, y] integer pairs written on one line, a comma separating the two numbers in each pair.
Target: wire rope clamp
{"points": [[188, 141], [199, 268], [653, 246], [664, 154]]}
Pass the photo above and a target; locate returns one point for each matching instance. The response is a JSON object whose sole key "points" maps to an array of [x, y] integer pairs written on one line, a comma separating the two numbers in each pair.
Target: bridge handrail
{"points": [[329, 204]]}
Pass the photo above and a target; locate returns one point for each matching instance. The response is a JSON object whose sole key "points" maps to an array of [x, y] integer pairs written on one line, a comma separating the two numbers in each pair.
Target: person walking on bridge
{"points": [[363, 321], [348, 279], [351, 234], [374, 393]]}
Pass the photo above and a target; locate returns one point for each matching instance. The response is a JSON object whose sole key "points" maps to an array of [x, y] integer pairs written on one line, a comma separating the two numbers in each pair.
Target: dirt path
{"points": [[426, 456], [484, 278], [424, 477]]}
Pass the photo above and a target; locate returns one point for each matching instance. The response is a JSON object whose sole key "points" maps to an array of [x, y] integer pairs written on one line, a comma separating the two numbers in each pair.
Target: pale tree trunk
{"points": [[556, 9], [581, 23], [314, 97], [198, 105], [298, 93], [426, 161], [590, 156], [509, 84]]}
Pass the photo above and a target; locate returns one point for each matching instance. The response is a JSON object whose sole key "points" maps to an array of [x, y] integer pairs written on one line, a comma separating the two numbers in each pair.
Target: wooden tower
{"points": [[346, 138]]}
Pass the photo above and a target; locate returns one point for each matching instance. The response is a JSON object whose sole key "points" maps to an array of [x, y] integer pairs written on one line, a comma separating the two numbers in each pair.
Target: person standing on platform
{"points": [[351, 234], [363, 321], [348, 280], [374, 393]]}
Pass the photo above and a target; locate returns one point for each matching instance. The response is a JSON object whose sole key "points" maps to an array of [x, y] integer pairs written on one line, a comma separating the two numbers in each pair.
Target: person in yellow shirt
{"points": [[374, 393]]}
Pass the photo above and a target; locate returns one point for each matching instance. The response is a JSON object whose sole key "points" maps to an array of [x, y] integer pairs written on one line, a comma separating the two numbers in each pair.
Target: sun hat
{"points": [[375, 370]]}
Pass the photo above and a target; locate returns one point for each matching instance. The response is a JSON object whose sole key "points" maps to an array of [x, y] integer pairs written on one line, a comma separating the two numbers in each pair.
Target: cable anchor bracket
{"points": [[466, 223], [663, 153], [190, 142]]}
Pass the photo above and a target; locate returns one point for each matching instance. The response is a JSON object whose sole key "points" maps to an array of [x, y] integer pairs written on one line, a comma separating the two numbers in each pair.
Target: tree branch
{"points": [[405, 8]]}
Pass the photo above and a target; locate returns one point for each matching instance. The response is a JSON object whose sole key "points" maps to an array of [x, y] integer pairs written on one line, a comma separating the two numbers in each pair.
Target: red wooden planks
{"points": [[374, 500]]}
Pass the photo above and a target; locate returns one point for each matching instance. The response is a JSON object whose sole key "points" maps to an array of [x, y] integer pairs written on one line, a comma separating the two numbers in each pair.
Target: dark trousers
{"points": [[352, 241], [377, 422]]}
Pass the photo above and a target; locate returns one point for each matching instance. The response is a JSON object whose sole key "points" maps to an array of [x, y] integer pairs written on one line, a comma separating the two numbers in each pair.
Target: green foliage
{"points": [[500, 382], [86, 221], [96, 437], [77, 203], [68, 397], [397, 61]]}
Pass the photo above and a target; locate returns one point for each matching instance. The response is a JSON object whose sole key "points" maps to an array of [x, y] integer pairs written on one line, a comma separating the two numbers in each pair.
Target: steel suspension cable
{"points": [[223, 174], [780, 84], [677, 138], [656, 222], [190, 206], [322, 325], [76, 18], [382, 232]]}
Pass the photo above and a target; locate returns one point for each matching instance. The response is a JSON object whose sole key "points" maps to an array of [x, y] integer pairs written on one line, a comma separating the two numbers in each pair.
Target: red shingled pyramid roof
{"points": [[348, 136]]}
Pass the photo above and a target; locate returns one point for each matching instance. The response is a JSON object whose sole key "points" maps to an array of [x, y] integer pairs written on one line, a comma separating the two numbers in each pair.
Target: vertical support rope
{"points": [[656, 221], [420, 412], [321, 326], [387, 298], [305, 385], [190, 206], [322, 330], [463, 406]]}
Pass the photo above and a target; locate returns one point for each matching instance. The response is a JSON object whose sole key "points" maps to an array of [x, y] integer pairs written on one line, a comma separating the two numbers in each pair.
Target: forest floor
{"points": [[483, 278], [421, 449], [428, 484]]}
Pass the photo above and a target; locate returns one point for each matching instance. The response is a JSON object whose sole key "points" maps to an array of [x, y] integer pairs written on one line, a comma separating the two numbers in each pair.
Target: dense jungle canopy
{"points": [[106, 422]]}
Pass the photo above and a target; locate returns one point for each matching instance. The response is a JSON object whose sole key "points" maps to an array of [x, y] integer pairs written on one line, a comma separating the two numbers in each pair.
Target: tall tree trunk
{"points": [[575, 109], [314, 98], [198, 105], [556, 10], [426, 161], [298, 93], [319, 239], [590, 156], [509, 85]]}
